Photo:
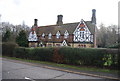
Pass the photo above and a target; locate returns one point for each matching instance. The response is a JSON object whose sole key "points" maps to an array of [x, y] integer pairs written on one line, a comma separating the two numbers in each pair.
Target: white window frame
{"points": [[58, 35], [43, 35], [32, 36], [66, 34], [49, 36]]}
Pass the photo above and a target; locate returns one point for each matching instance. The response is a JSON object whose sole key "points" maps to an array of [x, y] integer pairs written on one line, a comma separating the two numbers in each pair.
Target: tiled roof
{"points": [[70, 27]]}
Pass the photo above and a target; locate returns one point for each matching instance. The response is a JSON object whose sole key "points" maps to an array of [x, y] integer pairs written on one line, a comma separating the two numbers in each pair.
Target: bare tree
{"points": [[107, 36], [14, 29]]}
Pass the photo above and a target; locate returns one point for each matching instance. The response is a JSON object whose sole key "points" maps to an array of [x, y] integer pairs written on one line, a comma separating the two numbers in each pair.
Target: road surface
{"points": [[17, 70]]}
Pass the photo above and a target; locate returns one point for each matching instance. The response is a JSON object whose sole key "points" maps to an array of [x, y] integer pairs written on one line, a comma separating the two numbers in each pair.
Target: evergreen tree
{"points": [[21, 39], [6, 37]]}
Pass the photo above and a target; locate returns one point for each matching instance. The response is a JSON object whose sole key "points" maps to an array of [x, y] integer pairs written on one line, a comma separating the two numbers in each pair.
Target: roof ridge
{"points": [[57, 25]]}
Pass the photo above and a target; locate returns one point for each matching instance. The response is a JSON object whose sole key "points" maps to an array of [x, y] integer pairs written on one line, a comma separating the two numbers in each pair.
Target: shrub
{"points": [[42, 54], [80, 56], [115, 46], [8, 48], [20, 52], [74, 56], [57, 57], [30, 53]]}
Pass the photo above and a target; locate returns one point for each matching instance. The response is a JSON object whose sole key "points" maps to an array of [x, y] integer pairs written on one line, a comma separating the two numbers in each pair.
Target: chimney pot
{"points": [[59, 20], [35, 22], [93, 19]]}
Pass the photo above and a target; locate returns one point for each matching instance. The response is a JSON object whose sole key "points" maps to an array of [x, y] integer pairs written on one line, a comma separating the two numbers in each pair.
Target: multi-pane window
{"points": [[49, 36], [43, 35], [66, 34], [58, 35], [32, 36]]}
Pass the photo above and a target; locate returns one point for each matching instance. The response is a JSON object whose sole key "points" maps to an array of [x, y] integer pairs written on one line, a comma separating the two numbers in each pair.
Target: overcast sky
{"points": [[46, 11]]}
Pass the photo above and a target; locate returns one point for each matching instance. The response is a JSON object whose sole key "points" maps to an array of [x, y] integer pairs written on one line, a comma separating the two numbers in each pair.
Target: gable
{"points": [[43, 35], [82, 33], [66, 33], [32, 36], [64, 43], [82, 27], [58, 33]]}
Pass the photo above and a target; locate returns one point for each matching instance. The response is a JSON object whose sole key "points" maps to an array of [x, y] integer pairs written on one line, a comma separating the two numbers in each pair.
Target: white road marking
{"points": [[29, 78]]}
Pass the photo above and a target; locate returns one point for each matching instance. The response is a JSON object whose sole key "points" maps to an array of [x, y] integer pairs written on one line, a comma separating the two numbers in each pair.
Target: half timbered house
{"points": [[79, 34]]}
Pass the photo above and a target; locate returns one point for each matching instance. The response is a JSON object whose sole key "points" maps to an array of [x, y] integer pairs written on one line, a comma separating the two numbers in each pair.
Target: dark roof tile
{"points": [[70, 27]]}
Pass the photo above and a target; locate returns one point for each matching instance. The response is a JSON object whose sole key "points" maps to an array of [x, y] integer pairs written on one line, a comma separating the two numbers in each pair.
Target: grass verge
{"points": [[83, 68]]}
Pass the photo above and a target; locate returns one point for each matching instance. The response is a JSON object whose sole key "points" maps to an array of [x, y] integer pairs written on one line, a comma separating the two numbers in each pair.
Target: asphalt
{"points": [[71, 70], [18, 70]]}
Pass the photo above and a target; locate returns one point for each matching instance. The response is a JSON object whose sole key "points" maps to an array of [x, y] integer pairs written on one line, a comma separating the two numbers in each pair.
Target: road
{"points": [[17, 70]]}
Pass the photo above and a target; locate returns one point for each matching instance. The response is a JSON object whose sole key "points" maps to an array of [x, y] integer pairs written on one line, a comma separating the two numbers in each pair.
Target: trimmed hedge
{"points": [[20, 52], [115, 46], [75, 56], [40, 54], [8, 48], [89, 57]]}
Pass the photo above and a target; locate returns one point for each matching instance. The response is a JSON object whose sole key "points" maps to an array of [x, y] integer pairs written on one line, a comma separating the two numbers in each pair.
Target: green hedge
{"points": [[20, 52], [115, 46], [8, 48], [90, 57], [75, 56], [41, 54]]}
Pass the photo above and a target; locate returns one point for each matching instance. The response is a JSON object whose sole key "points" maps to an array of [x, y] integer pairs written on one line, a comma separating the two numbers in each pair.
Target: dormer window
{"points": [[49, 36], [32, 36], [66, 34], [64, 43], [43, 35], [58, 35]]}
